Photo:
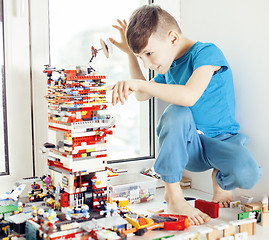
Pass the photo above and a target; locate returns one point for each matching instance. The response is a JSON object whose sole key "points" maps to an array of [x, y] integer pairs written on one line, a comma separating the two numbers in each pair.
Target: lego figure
{"points": [[115, 210], [85, 210], [47, 181], [69, 213], [108, 210], [20, 205], [52, 218], [34, 213]]}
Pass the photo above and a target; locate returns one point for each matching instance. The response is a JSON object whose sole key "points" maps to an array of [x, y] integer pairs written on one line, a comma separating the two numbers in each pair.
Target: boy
{"points": [[198, 130]]}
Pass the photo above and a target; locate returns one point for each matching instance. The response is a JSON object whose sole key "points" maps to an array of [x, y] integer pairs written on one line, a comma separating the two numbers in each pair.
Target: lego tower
{"points": [[78, 120]]}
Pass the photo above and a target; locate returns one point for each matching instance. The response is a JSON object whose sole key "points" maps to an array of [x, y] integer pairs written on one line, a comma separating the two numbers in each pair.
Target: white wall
{"points": [[240, 29]]}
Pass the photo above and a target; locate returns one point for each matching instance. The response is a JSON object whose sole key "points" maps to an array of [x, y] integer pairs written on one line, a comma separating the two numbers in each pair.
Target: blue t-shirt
{"points": [[214, 112]]}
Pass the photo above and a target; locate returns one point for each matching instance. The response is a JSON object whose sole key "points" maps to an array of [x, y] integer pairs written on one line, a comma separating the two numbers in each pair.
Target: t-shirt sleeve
{"points": [[210, 55], [159, 78]]}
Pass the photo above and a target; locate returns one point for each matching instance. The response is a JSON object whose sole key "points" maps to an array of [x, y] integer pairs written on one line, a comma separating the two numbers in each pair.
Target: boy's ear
{"points": [[173, 36]]}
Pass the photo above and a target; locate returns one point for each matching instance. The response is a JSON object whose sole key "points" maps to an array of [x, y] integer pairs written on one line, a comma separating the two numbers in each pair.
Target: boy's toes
{"points": [[225, 204], [199, 219], [194, 221], [206, 218]]}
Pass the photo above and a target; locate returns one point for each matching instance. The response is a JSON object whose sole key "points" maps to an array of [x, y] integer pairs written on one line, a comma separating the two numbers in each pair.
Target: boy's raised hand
{"points": [[122, 45]]}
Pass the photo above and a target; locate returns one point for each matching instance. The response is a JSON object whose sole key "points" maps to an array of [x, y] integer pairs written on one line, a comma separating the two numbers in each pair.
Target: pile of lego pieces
{"points": [[76, 114]]}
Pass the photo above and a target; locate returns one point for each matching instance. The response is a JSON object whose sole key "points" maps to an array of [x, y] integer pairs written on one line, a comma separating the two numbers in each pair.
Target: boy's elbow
{"points": [[191, 99], [191, 103], [188, 102]]}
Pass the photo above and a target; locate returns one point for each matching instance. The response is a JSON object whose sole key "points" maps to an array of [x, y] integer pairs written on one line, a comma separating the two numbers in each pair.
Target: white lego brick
{"points": [[101, 179], [227, 238], [204, 230], [222, 226], [85, 147], [241, 236], [57, 125], [235, 204], [243, 221], [87, 164], [183, 236], [246, 199]]}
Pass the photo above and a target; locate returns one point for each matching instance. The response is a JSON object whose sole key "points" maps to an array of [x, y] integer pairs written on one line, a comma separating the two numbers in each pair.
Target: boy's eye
{"points": [[149, 53]]}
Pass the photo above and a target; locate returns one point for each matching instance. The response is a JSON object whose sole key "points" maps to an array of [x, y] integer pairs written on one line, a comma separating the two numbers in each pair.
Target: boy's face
{"points": [[159, 54]]}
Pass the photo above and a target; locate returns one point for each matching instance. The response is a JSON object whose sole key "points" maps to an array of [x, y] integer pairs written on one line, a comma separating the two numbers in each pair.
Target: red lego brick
{"points": [[180, 222], [209, 208]]}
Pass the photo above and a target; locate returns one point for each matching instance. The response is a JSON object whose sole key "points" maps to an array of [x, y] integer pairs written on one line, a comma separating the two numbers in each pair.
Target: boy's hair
{"points": [[145, 21]]}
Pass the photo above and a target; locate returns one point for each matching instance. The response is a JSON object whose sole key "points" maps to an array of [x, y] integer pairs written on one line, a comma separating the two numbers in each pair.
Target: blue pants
{"points": [[181, 147]]}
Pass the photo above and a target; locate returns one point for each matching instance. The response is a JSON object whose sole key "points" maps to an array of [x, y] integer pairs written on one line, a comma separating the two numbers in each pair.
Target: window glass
{"points": [[75, 26], [3, 131]]}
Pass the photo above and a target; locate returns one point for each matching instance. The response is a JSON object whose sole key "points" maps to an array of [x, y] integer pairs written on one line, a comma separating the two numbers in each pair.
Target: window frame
{"points": [[6, 172], [18, 93]]}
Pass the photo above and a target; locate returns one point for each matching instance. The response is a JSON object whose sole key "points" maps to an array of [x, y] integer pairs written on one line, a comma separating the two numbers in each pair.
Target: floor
{"points": [[225, 215]]}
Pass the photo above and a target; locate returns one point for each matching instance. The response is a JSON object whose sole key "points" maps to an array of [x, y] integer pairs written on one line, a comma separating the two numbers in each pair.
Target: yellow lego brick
{"points": [[91, 150]]}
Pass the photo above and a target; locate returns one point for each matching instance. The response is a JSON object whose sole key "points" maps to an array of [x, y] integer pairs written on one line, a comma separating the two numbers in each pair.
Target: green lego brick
{"points": [[7, 209], [246, 215]]}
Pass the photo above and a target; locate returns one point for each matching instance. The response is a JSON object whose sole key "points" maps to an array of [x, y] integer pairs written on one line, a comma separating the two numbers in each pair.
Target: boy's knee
{"points": [[247, 173], [174, 116]]}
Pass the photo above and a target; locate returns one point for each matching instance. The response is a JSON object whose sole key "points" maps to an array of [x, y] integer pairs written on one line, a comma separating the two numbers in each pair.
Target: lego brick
{"points": [[87, 164], [7, 209], [265, 219], [214, 235], [250, 215], [229, 231], [250, 228], [209, 208], [241, 236], [254, 206]]}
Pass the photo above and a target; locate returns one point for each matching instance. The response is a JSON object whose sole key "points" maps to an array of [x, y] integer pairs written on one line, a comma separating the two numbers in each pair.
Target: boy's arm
{"points": [[134, 68], [184, 95], [136, 73]]}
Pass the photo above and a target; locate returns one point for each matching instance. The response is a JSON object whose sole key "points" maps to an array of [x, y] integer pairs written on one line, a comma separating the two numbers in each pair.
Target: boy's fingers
{"points": [[117, 27], [110, 87], [114, 95], [124, 21], [113, 41], [126, 90], [119, 21], [121, 85], [120, 29], [117, 101], [121, 24]]}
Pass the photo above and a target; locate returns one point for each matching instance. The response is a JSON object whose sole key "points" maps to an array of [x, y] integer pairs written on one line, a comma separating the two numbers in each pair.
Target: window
{"points": [[74, 28], [15, 95], [4, 168]]}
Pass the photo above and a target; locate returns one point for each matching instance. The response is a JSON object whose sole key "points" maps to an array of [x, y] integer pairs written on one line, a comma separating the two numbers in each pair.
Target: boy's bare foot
{"points": [[176, 204], [223, 197]]}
